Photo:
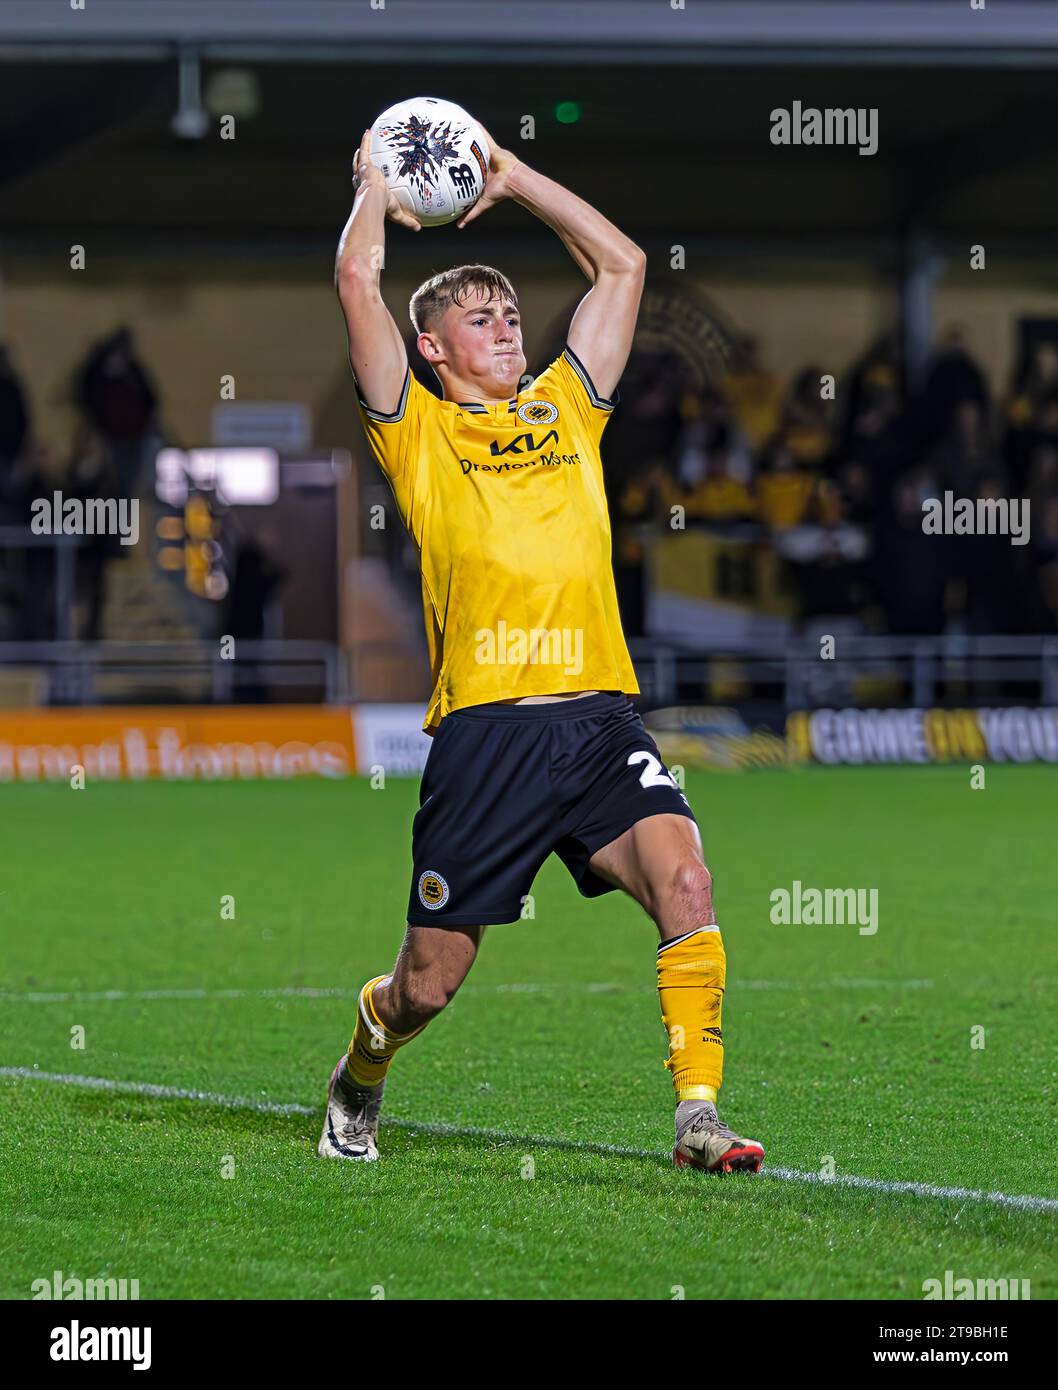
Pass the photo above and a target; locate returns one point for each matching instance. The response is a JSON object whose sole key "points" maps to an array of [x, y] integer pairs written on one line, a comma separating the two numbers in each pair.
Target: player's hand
{"points": [[501, 163], [366, 173]]}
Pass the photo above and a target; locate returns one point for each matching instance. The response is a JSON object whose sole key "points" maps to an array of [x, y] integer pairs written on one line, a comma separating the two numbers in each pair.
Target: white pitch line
{"points": [[116, 996], [143, 1088]]}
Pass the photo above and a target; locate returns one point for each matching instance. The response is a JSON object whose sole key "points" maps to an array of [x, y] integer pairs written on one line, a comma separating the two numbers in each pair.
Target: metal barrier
{"points": [[792, 671], [73, 669], [791, 674]]}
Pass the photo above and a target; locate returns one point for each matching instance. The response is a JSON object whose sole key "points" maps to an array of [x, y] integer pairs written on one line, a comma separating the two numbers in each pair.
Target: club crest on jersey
{"points": [[433, 890], [538, 413]]}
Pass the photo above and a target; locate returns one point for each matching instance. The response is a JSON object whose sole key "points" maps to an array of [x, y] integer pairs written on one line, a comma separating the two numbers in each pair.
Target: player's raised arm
{"points": [[602, 328], [376, 349]]}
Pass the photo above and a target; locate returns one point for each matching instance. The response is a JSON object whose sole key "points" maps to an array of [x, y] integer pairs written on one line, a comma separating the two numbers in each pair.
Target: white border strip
{"points": [[143, 1088]]}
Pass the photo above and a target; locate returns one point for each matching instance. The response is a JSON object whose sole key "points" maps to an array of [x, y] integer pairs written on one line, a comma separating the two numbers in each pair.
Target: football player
{"points": [[537, 747]]}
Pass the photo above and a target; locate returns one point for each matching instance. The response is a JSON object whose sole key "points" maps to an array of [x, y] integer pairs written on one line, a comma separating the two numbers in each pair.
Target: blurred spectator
{"points": [[952, 380], [118, 397], [717, 496], [910, 569], [1035, 377], [1041, 591], [873, 401], [826, 554], [964, 454], [90, 474], [711, 432], [640, 444], [25, 574], [21, 479], [645, 428], [14, 415], [856, 487], [1032, 410], [877, 437], [1042, 482], [755, 395], [28, 572], [1026, 443], [986, 565], [805, 421], [784, 488]]}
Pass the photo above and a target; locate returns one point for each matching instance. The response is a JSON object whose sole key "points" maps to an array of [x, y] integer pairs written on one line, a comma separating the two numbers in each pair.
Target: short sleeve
{"points": [[394, 438], [568, 380]]}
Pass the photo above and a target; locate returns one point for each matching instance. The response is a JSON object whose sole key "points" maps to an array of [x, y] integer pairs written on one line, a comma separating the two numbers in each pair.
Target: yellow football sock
{"points": [[373, 1046], [691, 973]]}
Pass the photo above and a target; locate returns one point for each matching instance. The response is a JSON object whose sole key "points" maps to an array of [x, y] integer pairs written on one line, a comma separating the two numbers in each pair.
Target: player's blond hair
{"points": [[435, 296]]}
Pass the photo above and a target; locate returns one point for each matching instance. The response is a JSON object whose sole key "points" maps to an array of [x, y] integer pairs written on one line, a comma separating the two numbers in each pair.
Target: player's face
{"points": [[481, 341]]}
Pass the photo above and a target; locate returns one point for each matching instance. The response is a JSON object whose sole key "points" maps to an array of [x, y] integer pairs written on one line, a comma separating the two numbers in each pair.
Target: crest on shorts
{"points": [[433, 890], [538, 413]]}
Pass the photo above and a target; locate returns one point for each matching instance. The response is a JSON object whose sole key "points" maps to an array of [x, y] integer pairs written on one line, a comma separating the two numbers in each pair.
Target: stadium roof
{"points": [[535, 30], [966, 153], [678, 150]]}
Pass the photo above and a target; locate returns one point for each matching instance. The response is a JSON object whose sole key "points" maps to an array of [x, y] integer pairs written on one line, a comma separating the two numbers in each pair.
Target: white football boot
{"points": [[703, 1142], [350, 1129]]}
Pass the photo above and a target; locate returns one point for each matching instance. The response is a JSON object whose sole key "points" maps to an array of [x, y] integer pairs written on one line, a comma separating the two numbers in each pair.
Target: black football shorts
{"points": [[505, 785]]}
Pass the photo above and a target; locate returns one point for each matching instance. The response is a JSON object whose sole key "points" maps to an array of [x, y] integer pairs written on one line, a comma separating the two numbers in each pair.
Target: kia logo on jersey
{"points": [[516, 444]]}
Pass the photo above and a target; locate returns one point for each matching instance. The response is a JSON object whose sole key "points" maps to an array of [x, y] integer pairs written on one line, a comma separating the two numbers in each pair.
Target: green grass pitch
{"points": [[842, 1049]]}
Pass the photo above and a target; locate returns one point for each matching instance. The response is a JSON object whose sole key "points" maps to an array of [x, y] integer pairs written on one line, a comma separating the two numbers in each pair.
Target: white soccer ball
{"points": [[434, 156]]}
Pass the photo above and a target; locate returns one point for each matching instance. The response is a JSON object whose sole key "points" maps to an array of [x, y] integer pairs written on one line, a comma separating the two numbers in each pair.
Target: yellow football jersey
{"points": [[506, 506]]}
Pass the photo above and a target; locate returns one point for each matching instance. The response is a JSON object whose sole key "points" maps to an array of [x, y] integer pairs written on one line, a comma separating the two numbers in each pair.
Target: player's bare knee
{"points": [[690, 895], [423, 994]]}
